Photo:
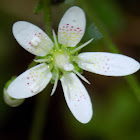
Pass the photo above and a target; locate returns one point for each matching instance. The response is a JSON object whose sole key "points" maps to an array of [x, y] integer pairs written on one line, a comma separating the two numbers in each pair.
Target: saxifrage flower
{"points": [[59, 60]]}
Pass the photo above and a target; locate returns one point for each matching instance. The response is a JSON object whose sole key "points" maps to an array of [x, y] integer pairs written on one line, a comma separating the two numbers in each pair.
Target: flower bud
{"points": [[11, 101]]}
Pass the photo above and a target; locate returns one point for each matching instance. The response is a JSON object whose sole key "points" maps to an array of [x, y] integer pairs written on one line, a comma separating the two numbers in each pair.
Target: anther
{"points": [[35, 41], [68, 67], [35, 88]]}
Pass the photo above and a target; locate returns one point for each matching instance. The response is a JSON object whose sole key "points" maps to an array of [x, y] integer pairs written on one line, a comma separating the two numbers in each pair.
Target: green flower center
{"points": [[60, 60]]}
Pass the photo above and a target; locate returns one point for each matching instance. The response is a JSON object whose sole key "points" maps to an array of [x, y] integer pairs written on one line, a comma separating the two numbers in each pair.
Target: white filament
{"points": [[81, 76], [55, 40], [82, 46], [55, 84], [40, 60]]}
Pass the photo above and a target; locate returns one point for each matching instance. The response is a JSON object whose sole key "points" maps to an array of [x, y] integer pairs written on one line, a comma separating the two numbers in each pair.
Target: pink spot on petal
{"points": [[107, 59], [35, 34], [71, 26], [40, 33], [27, 83], [78, 28], [63, 26], [67, 24], [27, 77]]}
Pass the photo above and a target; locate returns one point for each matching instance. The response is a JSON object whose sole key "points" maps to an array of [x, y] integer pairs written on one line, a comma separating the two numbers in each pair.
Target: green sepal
{"points": [[32, 64], [49, 58], [77, 68]]}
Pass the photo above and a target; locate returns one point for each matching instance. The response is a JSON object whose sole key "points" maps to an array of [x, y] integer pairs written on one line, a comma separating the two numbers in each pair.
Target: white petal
{"points": [[32, 38], [72, 27], [11, 101], [30, 83], [109, 64], [77, 98]]}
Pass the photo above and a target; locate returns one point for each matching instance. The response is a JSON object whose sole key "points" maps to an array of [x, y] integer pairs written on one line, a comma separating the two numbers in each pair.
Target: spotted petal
{"points": [[72, 27], [30, 83], [32, 38], [108, 64], [77, 98]]}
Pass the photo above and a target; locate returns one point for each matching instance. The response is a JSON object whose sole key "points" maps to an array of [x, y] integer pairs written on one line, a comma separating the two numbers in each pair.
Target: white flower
{"points": [[59, 60]]}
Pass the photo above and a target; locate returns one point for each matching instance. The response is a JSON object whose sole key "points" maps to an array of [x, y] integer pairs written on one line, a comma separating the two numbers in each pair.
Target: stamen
{"points": [[55, 40], [67, 85], [35, 88], [41, 60], [68, 67], [82, 46], [81, 76], [35, 41], [55, 84]]}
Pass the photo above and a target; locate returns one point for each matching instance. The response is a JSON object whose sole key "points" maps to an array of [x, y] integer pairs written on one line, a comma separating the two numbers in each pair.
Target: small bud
{"points": [[11, 101]]}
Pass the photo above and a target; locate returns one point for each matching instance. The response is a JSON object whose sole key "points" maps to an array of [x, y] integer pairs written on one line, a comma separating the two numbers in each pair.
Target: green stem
{"points": [[47, 16], [40, 111], [39, 116], [131, 80]]}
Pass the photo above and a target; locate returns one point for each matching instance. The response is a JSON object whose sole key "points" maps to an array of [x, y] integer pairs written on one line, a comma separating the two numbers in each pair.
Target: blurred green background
{"points": [[116, 108]]}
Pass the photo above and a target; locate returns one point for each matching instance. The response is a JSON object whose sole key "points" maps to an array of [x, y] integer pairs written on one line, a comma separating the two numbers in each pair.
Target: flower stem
{"points": [[39, 116], [40, 111], [131, 80], [47, 16]]}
